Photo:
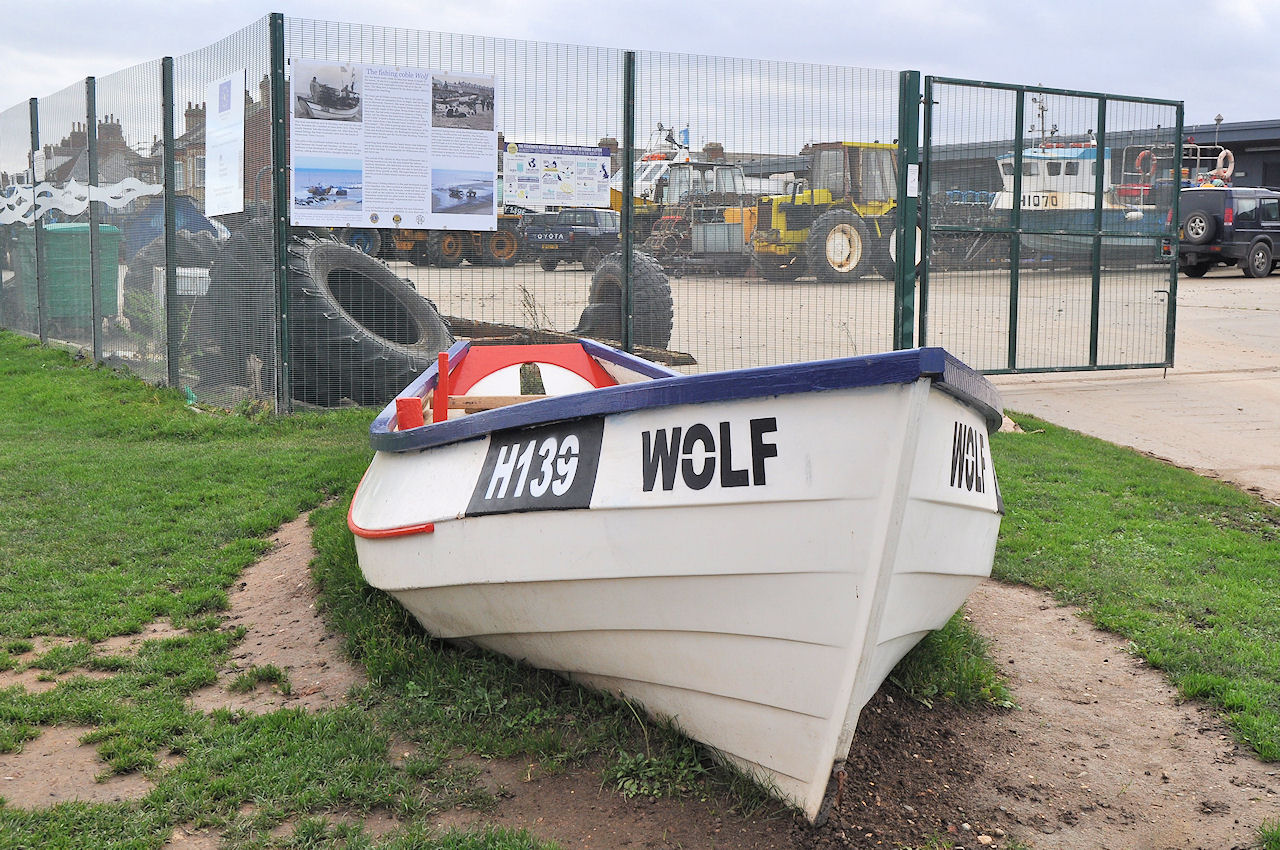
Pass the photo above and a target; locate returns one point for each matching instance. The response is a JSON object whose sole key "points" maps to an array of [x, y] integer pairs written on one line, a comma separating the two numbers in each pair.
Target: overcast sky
{"points": [[1215, 55]]}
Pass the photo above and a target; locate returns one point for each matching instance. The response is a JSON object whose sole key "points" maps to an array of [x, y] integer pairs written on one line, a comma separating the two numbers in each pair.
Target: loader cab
{"points": [[687, 181], [863, 173]]}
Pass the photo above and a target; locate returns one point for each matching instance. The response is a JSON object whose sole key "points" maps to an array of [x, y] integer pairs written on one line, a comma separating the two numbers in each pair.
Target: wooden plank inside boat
{"points": [[496, 333]]}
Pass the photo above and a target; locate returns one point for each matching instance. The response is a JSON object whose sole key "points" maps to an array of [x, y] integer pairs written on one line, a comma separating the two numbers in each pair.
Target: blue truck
{"points": [[584, 235]]}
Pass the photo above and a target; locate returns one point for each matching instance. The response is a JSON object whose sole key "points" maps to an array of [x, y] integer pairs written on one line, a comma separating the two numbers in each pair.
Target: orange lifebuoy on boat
{"points": [[1226, 165], [1146, 163]]}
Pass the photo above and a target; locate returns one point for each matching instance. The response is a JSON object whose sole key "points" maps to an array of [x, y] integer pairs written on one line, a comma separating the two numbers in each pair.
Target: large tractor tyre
{"points": [[420, 253], [501, 248], [358, 331], [1198, 228], [778, 269], [885, 259], [446, 249], [231, 332], [652, 308], [366, 239], [838, 248]]}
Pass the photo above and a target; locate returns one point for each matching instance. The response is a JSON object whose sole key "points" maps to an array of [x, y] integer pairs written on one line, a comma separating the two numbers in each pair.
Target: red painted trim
{"points": [[378, 533], [483, 360]]}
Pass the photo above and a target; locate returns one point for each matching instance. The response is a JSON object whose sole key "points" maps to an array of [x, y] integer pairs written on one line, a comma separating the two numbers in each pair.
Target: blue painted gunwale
{"points": [[898, 367]]}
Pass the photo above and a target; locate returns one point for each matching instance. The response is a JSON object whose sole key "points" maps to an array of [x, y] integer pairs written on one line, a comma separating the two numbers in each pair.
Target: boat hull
{"points": [[750, 569]]}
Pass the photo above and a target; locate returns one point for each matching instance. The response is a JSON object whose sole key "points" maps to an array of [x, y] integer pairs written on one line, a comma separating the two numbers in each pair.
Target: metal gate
{"points": [[1047, 234]]}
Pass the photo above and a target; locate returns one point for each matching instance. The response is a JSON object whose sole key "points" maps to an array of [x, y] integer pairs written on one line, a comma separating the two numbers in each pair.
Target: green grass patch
{"points": [[1181, 565], [269, 674], [1269, 834], [953, 664]]}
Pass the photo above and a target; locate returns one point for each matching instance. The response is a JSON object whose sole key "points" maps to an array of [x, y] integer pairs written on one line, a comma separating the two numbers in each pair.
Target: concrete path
{"points": [[1217, 411]]}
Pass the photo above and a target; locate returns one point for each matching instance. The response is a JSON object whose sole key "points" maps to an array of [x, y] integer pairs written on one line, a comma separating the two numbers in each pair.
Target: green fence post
{"points": [[1015, 225], [926, 235], [173, 324], [1170, 322], [42, 295], [904, 299], [95, 273], [280, 209], [1099, 190], [628, 189]]}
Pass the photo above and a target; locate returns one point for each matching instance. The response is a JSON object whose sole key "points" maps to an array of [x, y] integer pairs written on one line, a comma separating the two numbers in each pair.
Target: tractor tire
{"points": [[838, 248], [420, 253], [885, 258], [366, 239], [771, 267], [501, 248], [652, 308], [358, 331], [231, 332], [446, 249]]}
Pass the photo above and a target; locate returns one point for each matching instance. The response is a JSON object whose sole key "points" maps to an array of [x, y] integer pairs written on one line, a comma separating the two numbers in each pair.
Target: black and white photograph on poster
{"points": [[461, 192], [460, 102], [327, 91], [328, 183]]}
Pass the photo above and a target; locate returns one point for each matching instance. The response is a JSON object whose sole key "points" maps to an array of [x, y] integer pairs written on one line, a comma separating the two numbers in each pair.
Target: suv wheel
{"points": [[1198, 227], [1258, 263]]}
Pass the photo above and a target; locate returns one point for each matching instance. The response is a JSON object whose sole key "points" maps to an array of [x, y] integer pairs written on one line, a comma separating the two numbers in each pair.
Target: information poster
{"points": [[378, 146], [224, 145], [541, 176]]}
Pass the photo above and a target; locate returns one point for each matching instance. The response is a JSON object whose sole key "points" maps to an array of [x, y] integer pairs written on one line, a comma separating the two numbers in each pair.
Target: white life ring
{"points": [[1226, 164], [1146, 163]]}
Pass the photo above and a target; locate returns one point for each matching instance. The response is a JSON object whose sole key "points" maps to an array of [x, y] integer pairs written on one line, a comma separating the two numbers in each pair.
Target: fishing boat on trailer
{"points": [[747, 553], [1058, 207]]}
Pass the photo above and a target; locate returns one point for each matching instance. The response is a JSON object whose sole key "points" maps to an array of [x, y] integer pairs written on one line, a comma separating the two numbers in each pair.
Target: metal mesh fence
{"points": [[131, 172], [549, 103], [224, 252], [787, 152], [67, 300], [18, 304], [306, 212], [1049, 227]]}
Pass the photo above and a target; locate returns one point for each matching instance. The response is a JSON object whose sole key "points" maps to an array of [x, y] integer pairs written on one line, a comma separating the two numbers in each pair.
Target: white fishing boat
{"points": [[747, 553], [1059, 210]]}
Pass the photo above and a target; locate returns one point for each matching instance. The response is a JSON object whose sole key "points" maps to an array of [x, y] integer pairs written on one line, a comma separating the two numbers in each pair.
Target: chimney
{"points": [[193, 117]]}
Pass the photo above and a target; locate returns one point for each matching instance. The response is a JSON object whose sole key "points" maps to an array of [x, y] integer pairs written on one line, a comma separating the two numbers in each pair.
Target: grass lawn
{"points": [[120, 505]]}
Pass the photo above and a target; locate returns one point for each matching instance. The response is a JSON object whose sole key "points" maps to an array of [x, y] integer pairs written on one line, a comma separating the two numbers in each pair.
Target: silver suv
{"points": [[1229, 225]]}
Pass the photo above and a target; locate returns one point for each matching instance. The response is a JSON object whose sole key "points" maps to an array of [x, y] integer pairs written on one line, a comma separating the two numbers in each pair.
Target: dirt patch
{"points": [[275, 601], [57, 768], [1100, 753], [576, 810]]}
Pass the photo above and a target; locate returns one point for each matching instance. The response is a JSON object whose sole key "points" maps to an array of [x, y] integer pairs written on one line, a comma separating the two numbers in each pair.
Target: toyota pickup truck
{"points": [[582, 235]]}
